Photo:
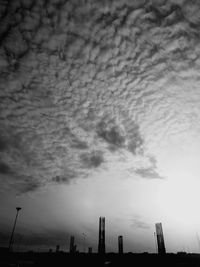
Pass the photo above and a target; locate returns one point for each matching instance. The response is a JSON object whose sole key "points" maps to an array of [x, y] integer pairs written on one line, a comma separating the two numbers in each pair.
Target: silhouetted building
{"points": [[75, 249], [57, 248], [72, 248], [120, 244], [90, 250], [160, 239], [101, 246]]}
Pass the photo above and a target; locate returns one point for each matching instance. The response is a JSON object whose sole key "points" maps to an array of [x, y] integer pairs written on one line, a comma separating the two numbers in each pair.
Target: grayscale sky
{"points": [[100, 116]]}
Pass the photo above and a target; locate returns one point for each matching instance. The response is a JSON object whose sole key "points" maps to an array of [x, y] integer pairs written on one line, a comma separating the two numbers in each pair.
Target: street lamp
{"points": [[13, 230]]}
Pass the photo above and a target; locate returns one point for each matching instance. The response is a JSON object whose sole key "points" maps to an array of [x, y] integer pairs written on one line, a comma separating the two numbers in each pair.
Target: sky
{"points": [[100, 116]]}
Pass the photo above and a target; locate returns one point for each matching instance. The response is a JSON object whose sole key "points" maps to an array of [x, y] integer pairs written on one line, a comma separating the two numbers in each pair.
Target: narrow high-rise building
{"points": [[72, 246], [90, 250], [160, 239], [101, 246], [120, 244], [57, 248]]}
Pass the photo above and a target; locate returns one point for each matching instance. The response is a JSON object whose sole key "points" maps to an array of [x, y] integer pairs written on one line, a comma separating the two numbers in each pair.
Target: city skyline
{"points": [[74, 249]]}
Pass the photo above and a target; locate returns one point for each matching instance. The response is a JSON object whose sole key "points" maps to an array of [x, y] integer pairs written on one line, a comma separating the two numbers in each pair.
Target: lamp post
{"points": [[13, 230]]}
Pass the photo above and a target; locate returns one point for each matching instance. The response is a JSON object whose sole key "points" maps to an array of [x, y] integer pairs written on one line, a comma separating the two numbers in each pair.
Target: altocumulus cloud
{"points": [[83, 76]]}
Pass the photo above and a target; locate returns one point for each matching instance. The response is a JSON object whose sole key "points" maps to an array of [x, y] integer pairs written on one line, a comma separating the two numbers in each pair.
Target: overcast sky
{"points": [[100, 116]]}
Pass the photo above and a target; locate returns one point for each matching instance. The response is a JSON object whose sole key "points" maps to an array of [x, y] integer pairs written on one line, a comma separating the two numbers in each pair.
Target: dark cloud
{"points": [[4, 168], [28, 185], [19, 183], [76, 143], [132, 146], [79, 145], [111, 134], [66, 178], [126, 136], [3, 145], [135, 143], [146, 169], [134, 139], [148, 173], [92, 160]]}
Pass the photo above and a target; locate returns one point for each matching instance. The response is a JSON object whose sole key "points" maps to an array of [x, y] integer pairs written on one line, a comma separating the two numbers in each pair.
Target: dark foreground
{"points": [[63, 259]]}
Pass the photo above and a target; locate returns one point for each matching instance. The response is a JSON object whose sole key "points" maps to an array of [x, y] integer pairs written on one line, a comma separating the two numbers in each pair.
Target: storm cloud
{"points": [[83, 76]]}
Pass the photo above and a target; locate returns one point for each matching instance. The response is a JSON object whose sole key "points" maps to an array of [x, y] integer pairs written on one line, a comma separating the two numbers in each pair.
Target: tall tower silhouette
{"points": [[120, 244], [160, 239], [72, 246], [90, 250], [101, 246], [57, 248]]}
